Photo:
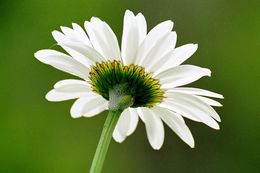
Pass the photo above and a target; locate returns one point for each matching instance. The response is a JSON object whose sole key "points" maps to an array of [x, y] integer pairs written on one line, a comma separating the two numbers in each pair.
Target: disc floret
{"points": [[140, 85]]}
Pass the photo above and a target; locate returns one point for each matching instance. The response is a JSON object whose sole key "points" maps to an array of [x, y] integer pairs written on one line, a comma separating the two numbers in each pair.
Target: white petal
{"points": [[89, 55], [209, 101], [69, 46], [163, 46], [62, 62], [70, 85], [181, 75], [151, 39], [154, 127], [193, 109], [142, 27], [118, 137], [195, 102], [177, 124], [56, 96], [197, 91], [122, 125], [103, 38], [181, 54], [77, 34], [60, 38], [126, 124], [175, 57], [133, 122], [83, 36], [180, 109], [68, 89], [134, 31], [74, 36], [88, 106]]}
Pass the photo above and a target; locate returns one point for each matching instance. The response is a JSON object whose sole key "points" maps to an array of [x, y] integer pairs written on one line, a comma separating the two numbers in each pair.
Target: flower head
{"points": [[148, 69]]}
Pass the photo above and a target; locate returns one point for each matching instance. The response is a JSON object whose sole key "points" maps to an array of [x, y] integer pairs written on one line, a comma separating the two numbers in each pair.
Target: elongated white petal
{"points": [[122, 126], [69, 46], [130, 38], [88, 106], [89, 55], [209, 101], [175, 57], [118, 137], [56, 96], [180, 109], [103, 38], [96, 39], [126, 125], [112, 42], [71, 38], [154, 127], [195, 102], [142, 26], [190, 109], [82, 34], [60, 38], [163, 46], [181, 75], [133, 122], [62, 62], [181, 54], [70, 85], [77, 34], [177, 124], [68, 89], [151, 39], [134, 32], [197, 91]]}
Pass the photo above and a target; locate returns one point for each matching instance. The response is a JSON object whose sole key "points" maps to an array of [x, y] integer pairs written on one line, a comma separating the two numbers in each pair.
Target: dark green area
{"points": [[132, 79], [40, 137]]}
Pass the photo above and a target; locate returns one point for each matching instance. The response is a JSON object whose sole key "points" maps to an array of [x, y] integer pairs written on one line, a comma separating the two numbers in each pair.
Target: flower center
{"points": [[132, 79]]}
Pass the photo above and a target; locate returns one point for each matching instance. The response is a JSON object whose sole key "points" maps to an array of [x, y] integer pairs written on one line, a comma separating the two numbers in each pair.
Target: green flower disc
{"points": [[133, 79]]}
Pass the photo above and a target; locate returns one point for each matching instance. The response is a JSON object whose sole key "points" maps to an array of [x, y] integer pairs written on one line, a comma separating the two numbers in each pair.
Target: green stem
{"points": [[104, 141], [118, 101]]}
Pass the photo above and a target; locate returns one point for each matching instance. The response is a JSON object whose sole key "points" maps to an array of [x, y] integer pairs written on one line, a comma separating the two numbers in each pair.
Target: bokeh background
{"points": [[37, 136]]}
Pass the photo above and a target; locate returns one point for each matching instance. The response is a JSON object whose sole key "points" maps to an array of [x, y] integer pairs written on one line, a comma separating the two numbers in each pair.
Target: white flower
{"points": [[91, 56]]}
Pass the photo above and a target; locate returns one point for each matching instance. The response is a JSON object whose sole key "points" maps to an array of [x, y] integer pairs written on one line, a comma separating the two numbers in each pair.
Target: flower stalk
{"points": [[118, 101], [104, 141]]}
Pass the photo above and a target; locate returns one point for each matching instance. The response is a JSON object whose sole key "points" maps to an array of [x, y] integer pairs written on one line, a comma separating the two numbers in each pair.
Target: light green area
{"points": [[40, 137]]}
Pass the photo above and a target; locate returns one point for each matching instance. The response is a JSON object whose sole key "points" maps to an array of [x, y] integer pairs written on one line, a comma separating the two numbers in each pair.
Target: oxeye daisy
{"points": [[143, 80]]}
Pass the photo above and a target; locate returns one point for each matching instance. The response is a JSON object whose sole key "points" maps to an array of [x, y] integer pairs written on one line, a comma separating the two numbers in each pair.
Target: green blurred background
{"points": [[37, 136]]}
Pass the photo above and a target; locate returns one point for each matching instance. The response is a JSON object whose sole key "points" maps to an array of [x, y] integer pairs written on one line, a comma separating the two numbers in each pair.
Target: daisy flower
{"points": [[142, 81]]}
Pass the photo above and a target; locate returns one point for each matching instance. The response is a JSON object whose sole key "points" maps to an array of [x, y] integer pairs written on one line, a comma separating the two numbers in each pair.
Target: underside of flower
{"points": [[131, 79]]}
